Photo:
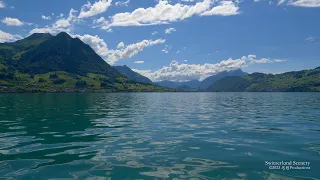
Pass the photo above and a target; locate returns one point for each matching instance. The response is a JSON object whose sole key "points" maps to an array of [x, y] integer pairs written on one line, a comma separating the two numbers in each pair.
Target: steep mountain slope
{"points": [[64, 53], [296, 81], [45, 63], [212, 79], [134, 76], [10, 52]]}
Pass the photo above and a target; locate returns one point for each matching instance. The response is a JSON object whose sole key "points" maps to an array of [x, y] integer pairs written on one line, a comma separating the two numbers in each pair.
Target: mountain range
{"points": [[295, 81], [195, 85], [46, 63]]}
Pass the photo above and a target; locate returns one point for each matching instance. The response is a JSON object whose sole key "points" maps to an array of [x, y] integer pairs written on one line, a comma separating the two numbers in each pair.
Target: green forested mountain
{"points": [[296, 81], [46, 63], [10, 52], [130, 74]]}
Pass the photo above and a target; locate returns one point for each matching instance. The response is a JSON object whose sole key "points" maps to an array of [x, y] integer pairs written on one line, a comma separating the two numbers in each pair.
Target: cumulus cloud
{"points": [[154, 33], [225, 8], [61, 25], [305, 3], [169, 30], [45, 17], [122, 3], [114, 55], [120, 45], [7, 37], [182, 72], [131, 50], [12, 21], [89, 10], [165, 13]]}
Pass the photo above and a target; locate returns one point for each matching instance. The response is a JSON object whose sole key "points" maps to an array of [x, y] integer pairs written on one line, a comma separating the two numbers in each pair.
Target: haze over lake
{"points": [[158, 135]]}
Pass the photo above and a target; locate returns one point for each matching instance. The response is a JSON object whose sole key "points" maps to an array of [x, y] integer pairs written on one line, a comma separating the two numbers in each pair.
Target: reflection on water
{"points": [[158, 135]]}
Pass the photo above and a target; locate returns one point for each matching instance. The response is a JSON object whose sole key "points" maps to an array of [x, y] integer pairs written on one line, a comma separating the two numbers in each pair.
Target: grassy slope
{"points": [[306, 80], [94, 83], [15, 75]]}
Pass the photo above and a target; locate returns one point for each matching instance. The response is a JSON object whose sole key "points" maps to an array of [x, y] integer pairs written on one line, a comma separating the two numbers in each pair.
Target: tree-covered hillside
{"points": [[46, 63], [296, 81]]}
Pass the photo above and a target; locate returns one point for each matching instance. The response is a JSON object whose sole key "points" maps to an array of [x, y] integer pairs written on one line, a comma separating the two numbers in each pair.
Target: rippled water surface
{"points": [[158, 135]]}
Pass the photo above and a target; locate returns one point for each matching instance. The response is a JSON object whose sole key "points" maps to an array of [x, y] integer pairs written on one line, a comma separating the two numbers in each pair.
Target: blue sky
{"points": [[179, 39]]}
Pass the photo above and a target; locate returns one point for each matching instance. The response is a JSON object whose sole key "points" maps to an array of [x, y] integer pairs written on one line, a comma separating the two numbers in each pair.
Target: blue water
{"points": [[158, 135]]}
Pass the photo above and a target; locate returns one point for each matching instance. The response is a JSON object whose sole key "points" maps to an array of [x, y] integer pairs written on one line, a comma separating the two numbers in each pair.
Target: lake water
{"points": [[158, 135]]}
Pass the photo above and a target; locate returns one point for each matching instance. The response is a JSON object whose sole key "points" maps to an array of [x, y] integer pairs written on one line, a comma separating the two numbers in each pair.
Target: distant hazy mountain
{"points": [[134, 76], [212, 79], [193, 84], [296, 81], [200, 85]]}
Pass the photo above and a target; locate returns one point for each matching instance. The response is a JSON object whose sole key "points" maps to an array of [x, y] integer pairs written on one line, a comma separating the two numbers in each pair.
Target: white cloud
{"points": [[7, 37], [2, 4], [114, 55], [120, 45], [166, 49], [122, 3], [169, 30], [138, 62], [60, 16], [253, 59], [100, 20], [45, 30], [281, 1], [305, 3], [12, 21], [182, 72], [225, 8], [61, 25], [165, 13], [310, 39], [301, 3], [45, 17], [279, 60], [131, 50], [154, 33], [89, 10]]}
